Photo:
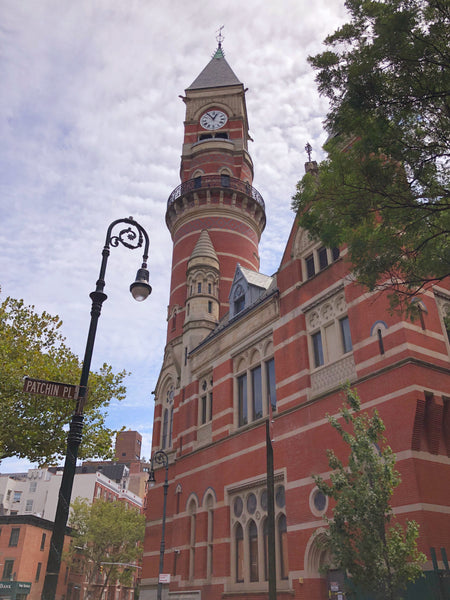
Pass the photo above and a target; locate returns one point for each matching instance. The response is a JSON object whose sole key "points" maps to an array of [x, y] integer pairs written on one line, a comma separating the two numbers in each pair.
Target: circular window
{"points": [[238, 506], [280, 497], [318, 502], [251, 503], [264, 500]]}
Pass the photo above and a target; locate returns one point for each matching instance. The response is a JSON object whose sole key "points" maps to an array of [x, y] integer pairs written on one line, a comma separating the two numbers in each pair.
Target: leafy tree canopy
{"points": [[364, 540], [108, 537], [34, 427], [384, 188]]}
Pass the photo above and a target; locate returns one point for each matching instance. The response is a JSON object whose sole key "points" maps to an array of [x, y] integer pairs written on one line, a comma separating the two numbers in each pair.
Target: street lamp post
{"points": [[160, 458], [132, 237]]}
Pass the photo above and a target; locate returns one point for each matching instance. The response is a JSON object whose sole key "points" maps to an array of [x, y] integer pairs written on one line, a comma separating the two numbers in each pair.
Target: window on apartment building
{"points": [[8, 569], [29, 506], [256, 392], [323, 258], [14, 537], [250, 550], [192, 537], [317, 348], [33, 486], [345, 335], [38, 571], [17, 496], [43, 538], [210, 536], [242, 400], [167, 417], [319, 259], [239, 551], [206, 400], [310, 268], [257, 411]]}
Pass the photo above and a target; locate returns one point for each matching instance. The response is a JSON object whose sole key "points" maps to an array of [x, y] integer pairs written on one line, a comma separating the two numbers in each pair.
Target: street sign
{"points": [[50, 388], [164, 578]]}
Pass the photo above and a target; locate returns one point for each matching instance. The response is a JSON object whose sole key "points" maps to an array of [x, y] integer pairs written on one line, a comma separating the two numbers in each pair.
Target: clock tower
{"points": [[215, 196]]}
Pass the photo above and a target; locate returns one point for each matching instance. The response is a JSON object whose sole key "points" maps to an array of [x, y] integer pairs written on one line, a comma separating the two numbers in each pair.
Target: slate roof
{"points": [[255, 278], [217, 73]]}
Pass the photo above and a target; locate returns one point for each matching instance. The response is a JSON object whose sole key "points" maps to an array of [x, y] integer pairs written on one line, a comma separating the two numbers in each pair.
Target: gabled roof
{"points": [[217, 73], [255, 278]]}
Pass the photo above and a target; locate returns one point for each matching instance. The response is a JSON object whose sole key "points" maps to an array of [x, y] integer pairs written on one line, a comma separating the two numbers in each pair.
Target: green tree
{"points": [[107, 542], [364, 539], [34, 427], [384, 188]]}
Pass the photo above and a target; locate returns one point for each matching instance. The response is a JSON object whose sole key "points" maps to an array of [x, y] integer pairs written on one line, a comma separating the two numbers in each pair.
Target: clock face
{"points": [[213, 119]]}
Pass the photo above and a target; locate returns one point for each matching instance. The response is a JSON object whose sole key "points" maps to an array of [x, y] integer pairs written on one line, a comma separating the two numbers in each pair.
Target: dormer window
{"points": [[239, 298]]}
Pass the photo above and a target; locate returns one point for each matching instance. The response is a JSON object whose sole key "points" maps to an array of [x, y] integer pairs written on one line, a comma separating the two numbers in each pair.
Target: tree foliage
{"points": [[107, 537], [384, 188], [34, 427], [363, 537]]}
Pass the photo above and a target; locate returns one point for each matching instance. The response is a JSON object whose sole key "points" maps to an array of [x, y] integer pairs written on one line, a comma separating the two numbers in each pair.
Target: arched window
{"points": [[210, 537], [380, 340], [239, 540], [282, 544], [192, 534], [164, 430], [266, 548], [167, 416], [253, 550]]}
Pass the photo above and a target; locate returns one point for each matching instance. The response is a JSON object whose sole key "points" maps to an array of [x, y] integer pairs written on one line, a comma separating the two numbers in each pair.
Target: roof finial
{"points": [[219, 36], [308, 149]]}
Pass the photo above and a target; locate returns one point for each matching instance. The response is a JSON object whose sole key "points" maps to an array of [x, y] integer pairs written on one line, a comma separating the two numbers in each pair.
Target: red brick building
{"points": [[240, 343], [24, 547]]}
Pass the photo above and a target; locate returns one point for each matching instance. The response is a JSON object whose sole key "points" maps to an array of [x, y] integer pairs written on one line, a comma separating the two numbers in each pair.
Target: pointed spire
{"points": [[204, 247], [217, 72]]}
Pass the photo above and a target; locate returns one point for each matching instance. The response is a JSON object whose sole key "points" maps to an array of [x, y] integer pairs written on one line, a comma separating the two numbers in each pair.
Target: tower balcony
{"points": [[211, 183], [211, 192]]}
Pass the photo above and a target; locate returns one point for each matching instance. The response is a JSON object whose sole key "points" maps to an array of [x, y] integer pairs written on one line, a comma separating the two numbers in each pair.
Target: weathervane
{"points": [[308, 149], [219, 36]]}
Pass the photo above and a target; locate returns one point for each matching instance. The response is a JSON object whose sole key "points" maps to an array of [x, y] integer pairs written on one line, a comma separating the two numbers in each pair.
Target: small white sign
{"points": [[164, 578]]}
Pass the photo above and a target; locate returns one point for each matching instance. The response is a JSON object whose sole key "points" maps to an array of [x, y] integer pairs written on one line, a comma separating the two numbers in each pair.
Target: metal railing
{"points": [[215, 181]]}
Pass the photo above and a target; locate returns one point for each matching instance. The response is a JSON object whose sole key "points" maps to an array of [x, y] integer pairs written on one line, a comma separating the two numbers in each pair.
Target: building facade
{"points": [[24, 548], [243, 348]]}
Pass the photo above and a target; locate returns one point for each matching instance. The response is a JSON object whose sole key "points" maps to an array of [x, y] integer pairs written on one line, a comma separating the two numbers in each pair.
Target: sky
{"points": [[91, 127]]}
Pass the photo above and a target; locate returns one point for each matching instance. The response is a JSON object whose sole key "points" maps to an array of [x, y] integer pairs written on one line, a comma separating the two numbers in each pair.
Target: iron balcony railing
{"points": [[215, 181]]}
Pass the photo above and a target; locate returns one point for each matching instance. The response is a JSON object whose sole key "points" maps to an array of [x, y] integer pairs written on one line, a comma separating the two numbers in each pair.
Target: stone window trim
{"points": [[203, 282], [205, 399], [248, 514], [328, 331], [252, 387], [167, 411], [314, 256], [377, 330], [443, 305], [318, 502]]}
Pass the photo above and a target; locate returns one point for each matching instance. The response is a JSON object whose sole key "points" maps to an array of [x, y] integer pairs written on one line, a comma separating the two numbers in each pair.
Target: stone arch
{"points": [[316, 555], [377, 325], [192, 502], [209, 492], [226, 108], [255, 356], [268, 349]]}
